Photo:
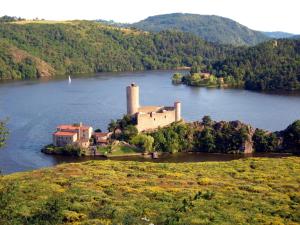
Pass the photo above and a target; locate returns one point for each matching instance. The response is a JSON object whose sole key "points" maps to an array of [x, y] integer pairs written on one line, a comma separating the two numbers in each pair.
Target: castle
{"points": [[150, 117]]}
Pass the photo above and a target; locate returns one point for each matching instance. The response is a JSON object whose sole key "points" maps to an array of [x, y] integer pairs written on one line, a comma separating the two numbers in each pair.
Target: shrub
{"points": [[143, 141]]}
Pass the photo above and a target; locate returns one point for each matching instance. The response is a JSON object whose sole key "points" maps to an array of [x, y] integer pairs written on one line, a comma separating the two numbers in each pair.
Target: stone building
{"points": [[150, 117], [72, 135], [102, 138]]}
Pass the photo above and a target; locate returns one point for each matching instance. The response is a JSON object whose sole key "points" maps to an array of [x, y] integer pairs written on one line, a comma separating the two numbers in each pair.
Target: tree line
{"points": [[35, 49], [209, 136]]}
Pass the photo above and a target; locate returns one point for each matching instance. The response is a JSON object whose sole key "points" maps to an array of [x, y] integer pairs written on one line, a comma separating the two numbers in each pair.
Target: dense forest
{"points": [[273, 65], [33, 49], [208, 135], [210, 28], [41, 48]]}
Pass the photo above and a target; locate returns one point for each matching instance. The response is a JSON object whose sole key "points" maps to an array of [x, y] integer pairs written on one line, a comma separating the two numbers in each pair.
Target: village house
{"points": [[102, 138], [78, 135]]}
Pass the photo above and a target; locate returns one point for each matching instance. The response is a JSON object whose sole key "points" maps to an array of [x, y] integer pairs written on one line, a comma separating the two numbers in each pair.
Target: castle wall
{"points": [[150, 121]]}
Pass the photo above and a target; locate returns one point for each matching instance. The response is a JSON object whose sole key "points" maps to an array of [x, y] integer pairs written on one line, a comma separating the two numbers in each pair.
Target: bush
{"points": [[264, 141], [143, 141]]}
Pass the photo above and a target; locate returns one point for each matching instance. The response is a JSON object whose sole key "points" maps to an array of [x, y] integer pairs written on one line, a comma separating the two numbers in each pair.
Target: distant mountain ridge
{"points": [[278, 34], [211, 28]]}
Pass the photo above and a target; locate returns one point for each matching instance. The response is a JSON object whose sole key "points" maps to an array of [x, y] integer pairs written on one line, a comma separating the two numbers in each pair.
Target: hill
{"points": [[248, 191], [296, 37], [30, 49], [273, 65], [211, 28], [278, 34]]}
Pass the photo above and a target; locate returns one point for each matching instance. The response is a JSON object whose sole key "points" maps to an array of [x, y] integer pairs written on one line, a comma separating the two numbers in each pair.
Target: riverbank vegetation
{"points": [[3, 133], [273, 65], [200, 79], [68, 150], [247, 191], [208, 136]]}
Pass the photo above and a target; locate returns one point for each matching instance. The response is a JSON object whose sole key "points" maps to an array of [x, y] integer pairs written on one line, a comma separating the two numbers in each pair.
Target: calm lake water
{"points": [[35, 108]]}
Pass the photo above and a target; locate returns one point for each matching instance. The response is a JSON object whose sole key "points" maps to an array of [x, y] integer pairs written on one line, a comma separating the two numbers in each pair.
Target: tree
{"points": [[291, 136], [207, 140], [264, 141], [3, 133], [112, 125], [207, 121], [143, 141], [177, 78], [128, 132]]}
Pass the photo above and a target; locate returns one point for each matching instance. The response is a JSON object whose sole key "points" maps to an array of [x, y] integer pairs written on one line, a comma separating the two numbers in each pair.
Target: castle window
{"points": [[154, 119]]}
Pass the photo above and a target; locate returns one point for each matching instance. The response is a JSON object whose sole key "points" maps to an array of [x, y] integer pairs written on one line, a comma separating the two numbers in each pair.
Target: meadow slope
{"points": [[247, 191]]}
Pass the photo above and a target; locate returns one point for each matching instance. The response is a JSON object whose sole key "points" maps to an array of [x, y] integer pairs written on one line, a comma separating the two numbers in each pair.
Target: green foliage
{"points": [[50, 212], [123, 129], [81, 47], [205, 136], [143, 141], [247, 191], [265, 141], [273, 65], [202, 80], [8, 209], [68, 150], [129, 132], [3, 133], [210, 28], [6, 19], [207, 140], [291, 136], [177, 78], [173, 138]]}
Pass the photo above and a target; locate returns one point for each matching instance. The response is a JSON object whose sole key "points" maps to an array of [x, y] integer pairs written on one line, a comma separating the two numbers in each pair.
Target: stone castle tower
{"points": [[177, 107], [150, 117], [133, 99]]}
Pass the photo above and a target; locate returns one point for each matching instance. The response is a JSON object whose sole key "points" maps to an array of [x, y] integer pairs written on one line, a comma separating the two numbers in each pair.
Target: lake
{"points": [[35, 108]]}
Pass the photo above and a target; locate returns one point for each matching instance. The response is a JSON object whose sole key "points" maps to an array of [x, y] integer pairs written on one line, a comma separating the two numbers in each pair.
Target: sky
{"points": [[264, 15]]}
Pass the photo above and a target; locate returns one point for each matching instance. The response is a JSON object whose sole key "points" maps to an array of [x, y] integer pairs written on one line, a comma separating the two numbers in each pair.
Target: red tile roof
{"points": [[72, 127], [62, 133], [101, 134]]}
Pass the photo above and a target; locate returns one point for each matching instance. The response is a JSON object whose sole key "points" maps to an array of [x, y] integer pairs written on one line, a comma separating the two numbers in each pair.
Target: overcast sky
{"points": [[265, 15]]}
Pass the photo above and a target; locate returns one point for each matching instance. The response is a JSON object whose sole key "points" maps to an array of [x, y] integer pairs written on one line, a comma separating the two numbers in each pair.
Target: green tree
{"points": [[264, 141], [143, 141], [291, 136], [3, 133], [112, 126], [177, 78], [207, 121], [206, 140], [128, 132]]}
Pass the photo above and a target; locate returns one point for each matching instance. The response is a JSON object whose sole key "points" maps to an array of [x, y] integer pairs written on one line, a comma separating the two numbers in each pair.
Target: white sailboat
{"points": [[70, 80]]}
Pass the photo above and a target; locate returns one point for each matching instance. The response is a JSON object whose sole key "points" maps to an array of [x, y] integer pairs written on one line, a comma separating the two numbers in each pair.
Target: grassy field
{"points": [[246, 191]]}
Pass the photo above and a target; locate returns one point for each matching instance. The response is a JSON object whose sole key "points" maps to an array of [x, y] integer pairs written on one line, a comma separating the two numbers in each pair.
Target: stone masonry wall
{"points": [[154, 120]]}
